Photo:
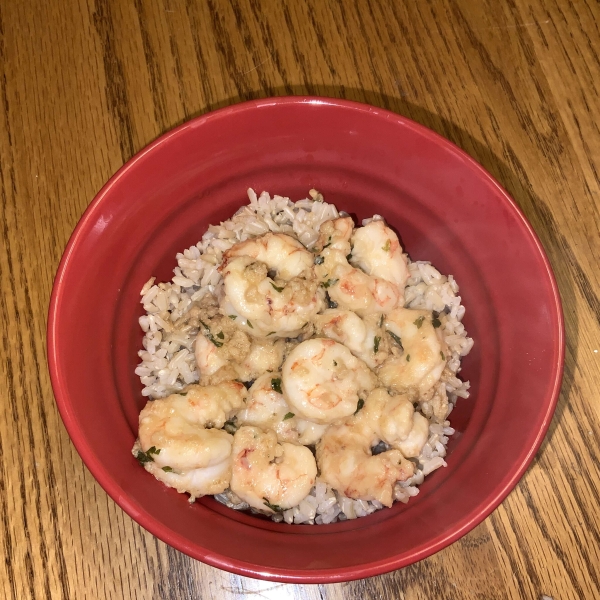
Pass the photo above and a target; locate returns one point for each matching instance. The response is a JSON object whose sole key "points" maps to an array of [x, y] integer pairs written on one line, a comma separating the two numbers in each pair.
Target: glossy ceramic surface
{"points": [[447, 209]]}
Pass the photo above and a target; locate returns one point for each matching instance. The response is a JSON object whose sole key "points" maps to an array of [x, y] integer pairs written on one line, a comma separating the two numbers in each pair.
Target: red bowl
{"points": [[448, 210]]}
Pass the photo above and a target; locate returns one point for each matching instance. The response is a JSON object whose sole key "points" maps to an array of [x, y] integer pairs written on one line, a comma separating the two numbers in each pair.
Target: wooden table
{"points": [[85, 84]]}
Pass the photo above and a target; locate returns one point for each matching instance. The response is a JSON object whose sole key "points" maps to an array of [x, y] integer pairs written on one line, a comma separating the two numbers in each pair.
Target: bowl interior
{"points": [[446, 209]]}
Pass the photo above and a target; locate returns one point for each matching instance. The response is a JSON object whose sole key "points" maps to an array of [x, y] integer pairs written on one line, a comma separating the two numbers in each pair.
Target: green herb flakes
{"points": [[396, 339], [419, 322], [276, 288], [146, 457], [212, 338], [359, 405], [329, 283], [182, 393], [230, 427], [442, 355], [387, 246], [408, 358], [289, 415], [381, 320], [376, 344], [220, 335], [233, 317], [276, 385], [249, 324], [143, 458], [436, 322], [273, 507], [167, 469], [334, 363]]}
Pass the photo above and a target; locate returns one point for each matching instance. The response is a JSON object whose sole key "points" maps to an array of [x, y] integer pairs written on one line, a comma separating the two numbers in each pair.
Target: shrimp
{"points": [[236, 357], [396, 422], [323, 381], [335, 234], [269, 476], [181, 435], [281, 253], [267, 408], [347, 464], [268, 306], [363, 337], [352, 289], [422, 362], [377, 251]]}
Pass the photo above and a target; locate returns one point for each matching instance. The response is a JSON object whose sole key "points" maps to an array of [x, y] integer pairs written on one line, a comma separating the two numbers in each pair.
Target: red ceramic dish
{"points": [[366, 160]]}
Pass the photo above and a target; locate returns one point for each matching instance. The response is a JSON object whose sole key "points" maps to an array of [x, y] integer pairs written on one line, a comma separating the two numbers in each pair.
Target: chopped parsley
{"points": [[359, 405], [143, 458], [276, 288], [436, 322], [396, 339], [387, 246], [209, 336], [276, 385], [230, 427], [334, 363], [328, 243], [182, 393], [442, 355], [289, 415], [408, 358], [234, 317], [273, 507], [376, 344], [419, 322], [381, 320], [146, 457], [270, 333], [220, 335], [167, 469], [319, 260], [249, 324], [329, 283]]}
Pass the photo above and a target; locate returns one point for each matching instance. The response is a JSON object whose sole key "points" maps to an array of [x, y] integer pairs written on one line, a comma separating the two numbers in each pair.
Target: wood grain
{"points": [[85, 84]]}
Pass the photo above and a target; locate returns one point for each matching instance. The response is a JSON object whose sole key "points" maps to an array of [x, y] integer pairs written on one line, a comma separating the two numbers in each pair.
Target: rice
{"points": [[168, 364]]}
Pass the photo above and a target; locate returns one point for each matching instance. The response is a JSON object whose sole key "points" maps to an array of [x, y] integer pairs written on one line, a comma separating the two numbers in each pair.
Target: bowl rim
{"points": [[247, 568]]}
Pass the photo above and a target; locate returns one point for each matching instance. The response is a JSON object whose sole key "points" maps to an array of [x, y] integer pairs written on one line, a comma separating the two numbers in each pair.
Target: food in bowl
{"points": [[299, 366]]}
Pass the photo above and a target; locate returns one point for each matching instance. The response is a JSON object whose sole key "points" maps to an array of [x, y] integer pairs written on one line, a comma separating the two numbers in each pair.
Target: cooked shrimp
{"points": [[363, 337], [196, 482], [240, 358], [269, 307], [377, 251], [267, 475], [281, 253], [347, 464], [396, 422], [352, 289], [323, 381], [335, 234], [422, 362], [267, 408], [181, 434]]}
